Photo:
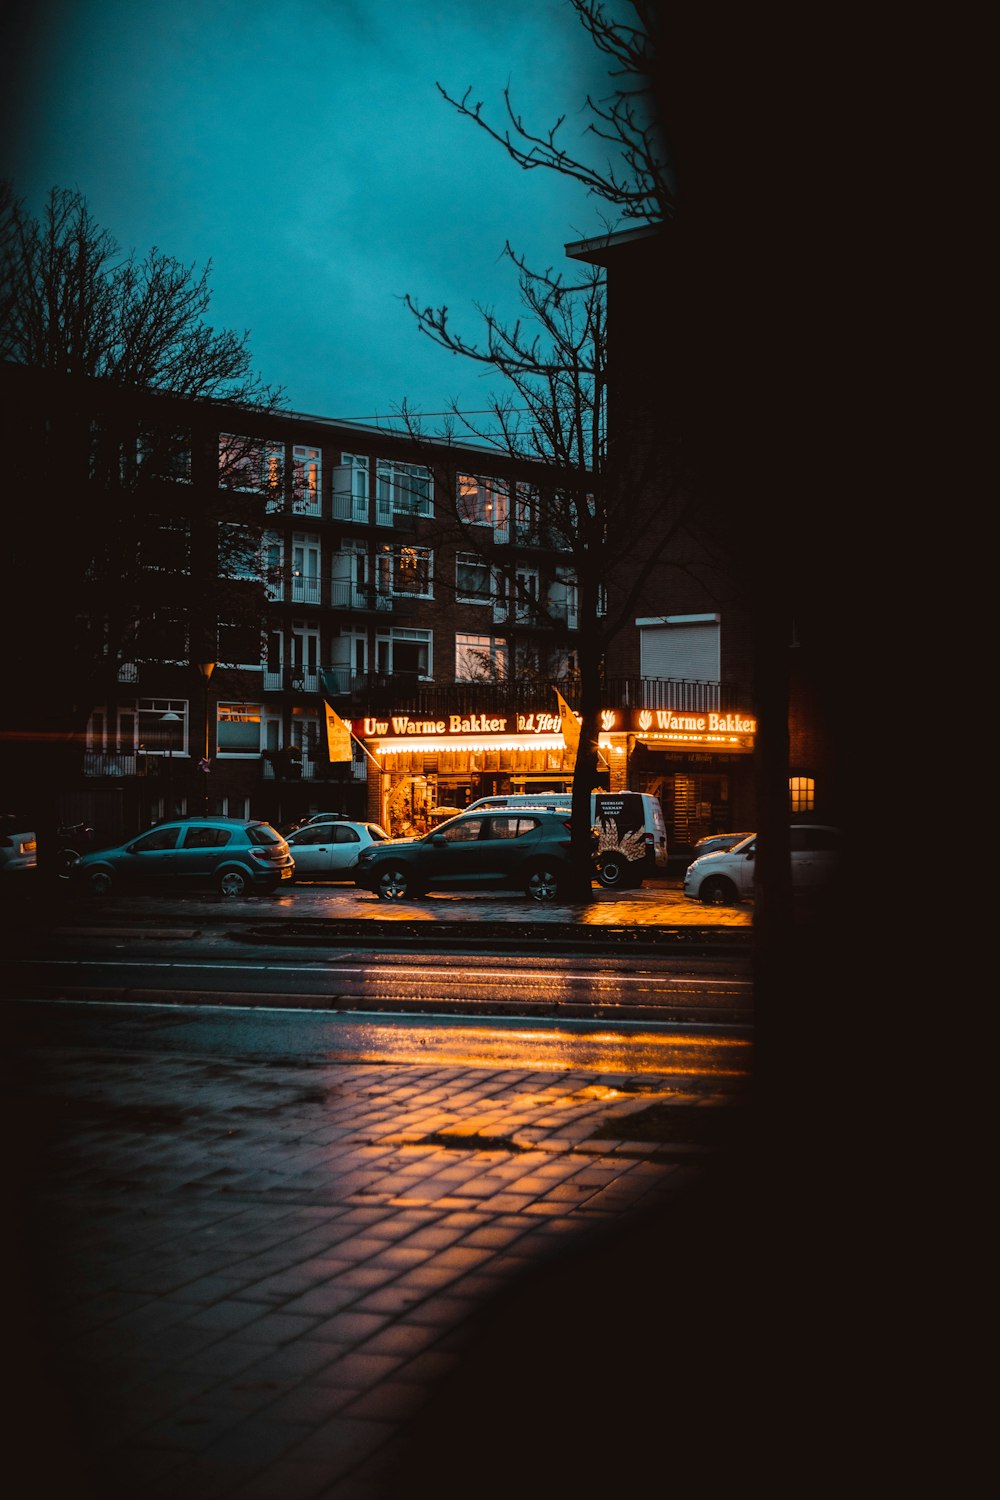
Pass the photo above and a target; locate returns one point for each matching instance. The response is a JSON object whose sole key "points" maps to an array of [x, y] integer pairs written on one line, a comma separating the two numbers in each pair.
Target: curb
{"points": [[500, 936]]}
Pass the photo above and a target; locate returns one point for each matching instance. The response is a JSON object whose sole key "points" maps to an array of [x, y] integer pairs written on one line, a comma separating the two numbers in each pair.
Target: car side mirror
{"points": [[749, 854], [438, 840]]}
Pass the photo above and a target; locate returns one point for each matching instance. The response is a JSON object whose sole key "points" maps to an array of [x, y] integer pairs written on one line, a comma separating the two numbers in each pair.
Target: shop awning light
{"points": [[404, 746]]}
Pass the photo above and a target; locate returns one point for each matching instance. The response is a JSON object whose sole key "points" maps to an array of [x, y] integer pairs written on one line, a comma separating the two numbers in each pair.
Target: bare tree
{"points": [[638, 178], [107, 362], [611, 517]]}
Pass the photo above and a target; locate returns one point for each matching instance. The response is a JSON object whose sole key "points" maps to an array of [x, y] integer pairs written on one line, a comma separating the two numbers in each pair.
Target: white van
{"points": [[631, 833]]}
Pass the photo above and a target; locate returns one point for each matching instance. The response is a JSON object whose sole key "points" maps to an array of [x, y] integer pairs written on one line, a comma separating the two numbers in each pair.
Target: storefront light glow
{"points": [[508, 742]]}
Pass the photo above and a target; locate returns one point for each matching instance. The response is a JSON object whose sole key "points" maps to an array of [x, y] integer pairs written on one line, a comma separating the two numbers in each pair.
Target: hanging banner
{"points": [[338, 736], [568, 723]]}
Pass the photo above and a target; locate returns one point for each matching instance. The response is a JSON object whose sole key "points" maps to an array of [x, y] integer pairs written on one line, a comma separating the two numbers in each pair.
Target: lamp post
{"points": [[206, 668], [171, 719]]}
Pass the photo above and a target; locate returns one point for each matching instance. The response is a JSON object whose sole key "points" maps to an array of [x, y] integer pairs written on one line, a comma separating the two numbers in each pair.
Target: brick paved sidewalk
{"points": [[250, 1280]]}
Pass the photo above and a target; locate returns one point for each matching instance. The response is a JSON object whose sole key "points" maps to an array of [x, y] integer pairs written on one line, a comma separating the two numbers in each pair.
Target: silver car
{"points": [[328, 851], [18, 849]]}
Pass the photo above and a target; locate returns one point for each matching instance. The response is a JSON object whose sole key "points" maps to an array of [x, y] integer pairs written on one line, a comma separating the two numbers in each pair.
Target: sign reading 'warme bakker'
{"points": [[652, 721]]}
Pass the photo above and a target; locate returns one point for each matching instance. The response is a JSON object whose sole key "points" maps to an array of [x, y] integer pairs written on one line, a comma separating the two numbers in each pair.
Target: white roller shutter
{"points": [[686, 649]]}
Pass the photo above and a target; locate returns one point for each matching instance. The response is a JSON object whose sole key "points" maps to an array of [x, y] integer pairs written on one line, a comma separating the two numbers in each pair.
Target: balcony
{"points": [[365, 598], [291, 680], [405, 692]]}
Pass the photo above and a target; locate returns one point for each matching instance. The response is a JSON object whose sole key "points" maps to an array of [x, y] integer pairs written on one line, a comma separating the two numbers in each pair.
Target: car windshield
{"points": [[744, 843]]}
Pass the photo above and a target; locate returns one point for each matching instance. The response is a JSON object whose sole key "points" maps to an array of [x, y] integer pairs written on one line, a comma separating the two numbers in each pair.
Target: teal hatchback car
{"points": [[232, 856]]}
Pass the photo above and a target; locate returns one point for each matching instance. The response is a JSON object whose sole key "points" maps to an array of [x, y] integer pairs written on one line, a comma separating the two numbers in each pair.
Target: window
{"points": [[802, 794], [240, 643], [239, 552], [408, 569], [164, 455], [526, 513], [166, 546], [239, 728], [464, 832], [160, 838], [511, 827], [482, 502], [305, 568], [526, 595], [480, 658], [350, 488], [252, 464], [402, 489], [162, 635], [404, 651], [206, 838], [472, 579], [306, 477], [157, 726]]}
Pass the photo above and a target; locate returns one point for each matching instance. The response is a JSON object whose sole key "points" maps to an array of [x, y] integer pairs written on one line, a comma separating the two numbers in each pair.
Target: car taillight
{"points": [[276, 852]]}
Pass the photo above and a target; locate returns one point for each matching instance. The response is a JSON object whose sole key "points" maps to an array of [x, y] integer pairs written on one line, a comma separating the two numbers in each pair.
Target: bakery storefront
{"points": [[423, 769]]}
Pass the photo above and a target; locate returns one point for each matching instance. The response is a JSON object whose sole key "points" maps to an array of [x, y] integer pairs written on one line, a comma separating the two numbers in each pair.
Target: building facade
{"points": [[413, 587]]}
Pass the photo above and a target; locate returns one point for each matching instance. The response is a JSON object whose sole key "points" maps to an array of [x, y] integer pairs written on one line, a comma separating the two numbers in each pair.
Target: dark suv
{"points": [[231, 855], [485, 850]]}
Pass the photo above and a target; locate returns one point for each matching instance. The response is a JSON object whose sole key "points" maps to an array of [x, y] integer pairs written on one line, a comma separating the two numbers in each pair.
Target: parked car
{"points": [[717, 843], [631, 835], [18, 848], [487, 850], [727, 876], [235, 856], [329, 850]]}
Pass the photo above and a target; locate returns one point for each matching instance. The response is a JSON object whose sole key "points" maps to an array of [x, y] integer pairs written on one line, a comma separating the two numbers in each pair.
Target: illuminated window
{"points": [[306, 474], [482, 502], [480, 658], [250, 463], [802, 794], [239, 728], [406, 570]]}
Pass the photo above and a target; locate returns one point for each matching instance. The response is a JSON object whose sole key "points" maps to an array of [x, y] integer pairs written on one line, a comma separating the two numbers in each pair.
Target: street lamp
{"points": [[206, 668], [169, 718]]}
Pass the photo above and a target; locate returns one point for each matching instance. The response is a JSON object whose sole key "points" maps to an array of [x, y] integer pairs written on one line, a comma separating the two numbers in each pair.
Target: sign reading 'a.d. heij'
{"points": [[613, 721]]}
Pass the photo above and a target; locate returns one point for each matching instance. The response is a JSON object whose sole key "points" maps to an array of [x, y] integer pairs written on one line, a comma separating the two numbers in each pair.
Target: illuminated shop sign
{"points": [[667, 725]]}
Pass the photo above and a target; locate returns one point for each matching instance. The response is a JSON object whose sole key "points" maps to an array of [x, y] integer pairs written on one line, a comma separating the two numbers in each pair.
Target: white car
{"points": [[725, 877], [18, 849], [328, 851]]}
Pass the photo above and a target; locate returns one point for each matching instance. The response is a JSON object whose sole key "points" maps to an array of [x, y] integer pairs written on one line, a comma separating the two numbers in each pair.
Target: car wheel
{"points": [[65, 860], [233, 884], [718, 892], [100, 882], [613, 870], [543, 883], [395, 884]]}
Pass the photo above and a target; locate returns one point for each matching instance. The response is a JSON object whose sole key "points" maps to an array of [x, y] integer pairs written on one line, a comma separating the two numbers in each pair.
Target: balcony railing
{"points": [[291, 680], [359, 596], [407, 693]]}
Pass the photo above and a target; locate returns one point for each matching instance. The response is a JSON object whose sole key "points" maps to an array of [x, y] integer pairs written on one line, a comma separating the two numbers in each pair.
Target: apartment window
{"points": [[802, 794], [162, 635], [240, 643], [273, 559], [305, 568], [164, 455], [404, 651], [526, 513], [350, 488], [472, 579], [411, 571], [526, 595], [145, 725], [403, 489], [480, 658], [252, 464], [166, 546], [239, 728], [349, 578], [306, 479], [482, 502]]}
